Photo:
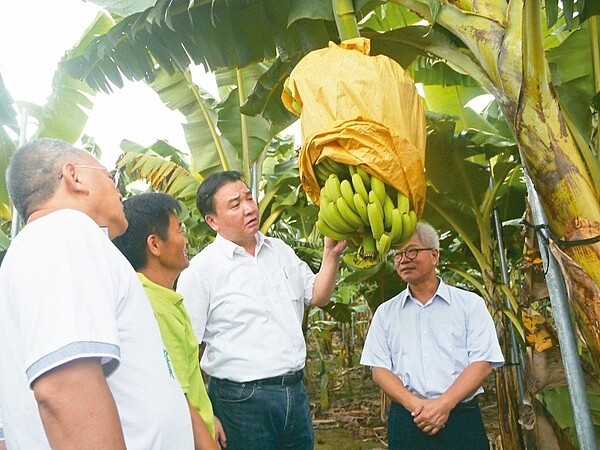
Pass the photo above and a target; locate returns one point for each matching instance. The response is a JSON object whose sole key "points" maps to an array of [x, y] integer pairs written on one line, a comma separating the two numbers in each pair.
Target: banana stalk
{"points": [[345, 20]]}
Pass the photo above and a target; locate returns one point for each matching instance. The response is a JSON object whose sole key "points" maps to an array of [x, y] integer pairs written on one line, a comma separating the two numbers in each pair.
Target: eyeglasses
{"points": [[113, 175], [410, 254]]}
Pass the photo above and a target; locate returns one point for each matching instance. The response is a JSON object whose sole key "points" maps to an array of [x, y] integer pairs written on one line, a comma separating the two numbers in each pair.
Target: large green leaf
{"points": [[574, 73], [255, 133], [209, 150], [8, 119], [124, 7], [572, 11], [405, 44], [177, 33], [558, 403], [452, 100], [265, 97], [8, 116], [161, 173], [573, 76], [389, 16], [7, 148]]}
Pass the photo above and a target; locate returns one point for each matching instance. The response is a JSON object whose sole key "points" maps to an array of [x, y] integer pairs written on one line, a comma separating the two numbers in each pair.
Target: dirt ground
{"points": [[352, 422]]}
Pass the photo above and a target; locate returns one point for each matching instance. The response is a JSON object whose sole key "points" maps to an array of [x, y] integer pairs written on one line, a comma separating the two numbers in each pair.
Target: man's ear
{"points": [[153, 244], [69, 175], [211, 222]]}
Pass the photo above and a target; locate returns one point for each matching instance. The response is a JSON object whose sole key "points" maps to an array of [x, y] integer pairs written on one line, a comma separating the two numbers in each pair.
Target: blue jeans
{"points": [[257, 416]]}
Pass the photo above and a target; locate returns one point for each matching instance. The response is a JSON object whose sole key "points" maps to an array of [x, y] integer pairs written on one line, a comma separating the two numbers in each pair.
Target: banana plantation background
{"points": [[508, 87]]}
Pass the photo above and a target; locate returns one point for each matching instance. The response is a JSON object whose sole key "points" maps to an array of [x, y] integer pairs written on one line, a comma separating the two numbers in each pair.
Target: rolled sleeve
{"points": [[376, 351], [109, 354], [482, 340]]}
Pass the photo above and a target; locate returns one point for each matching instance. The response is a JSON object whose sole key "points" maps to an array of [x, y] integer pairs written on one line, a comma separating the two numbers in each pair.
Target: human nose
{"points": [[248, 206]]}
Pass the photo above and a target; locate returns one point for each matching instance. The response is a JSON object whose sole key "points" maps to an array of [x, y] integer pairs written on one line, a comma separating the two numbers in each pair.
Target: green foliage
{"points": [[8, 123], [265, 98], [558, 403], [572, 11], [469, 174], [573, 75], [219, 34]]}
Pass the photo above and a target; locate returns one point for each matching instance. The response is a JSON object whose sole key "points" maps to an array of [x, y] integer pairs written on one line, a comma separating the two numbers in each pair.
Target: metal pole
{"points": [[14, 226], [516, 354], [254, 181], [564, 327]]}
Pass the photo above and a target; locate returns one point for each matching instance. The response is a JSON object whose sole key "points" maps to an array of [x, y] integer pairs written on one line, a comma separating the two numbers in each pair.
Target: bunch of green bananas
{"points": [[360, 208]]}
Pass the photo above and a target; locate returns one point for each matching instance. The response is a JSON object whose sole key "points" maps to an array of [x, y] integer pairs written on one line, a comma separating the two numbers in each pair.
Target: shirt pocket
{"points": [[294, 283], [455, 335]]}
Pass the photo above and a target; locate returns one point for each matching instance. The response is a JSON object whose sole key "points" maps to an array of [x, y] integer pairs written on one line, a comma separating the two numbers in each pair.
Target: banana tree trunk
{"points": [[505, 44], [555, 165], [505, 41]]}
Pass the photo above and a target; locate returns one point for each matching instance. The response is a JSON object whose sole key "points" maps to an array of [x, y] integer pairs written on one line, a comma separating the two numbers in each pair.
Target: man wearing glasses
{"points": [[430, 349], [82, 362]]}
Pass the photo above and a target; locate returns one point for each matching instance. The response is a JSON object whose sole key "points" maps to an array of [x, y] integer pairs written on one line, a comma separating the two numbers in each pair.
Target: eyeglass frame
{"points": [[398, 256], [113, 175]]}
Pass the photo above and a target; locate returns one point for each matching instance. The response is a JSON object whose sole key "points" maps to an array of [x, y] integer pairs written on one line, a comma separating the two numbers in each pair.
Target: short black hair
{"points": [[209, 187], [147, 214]]}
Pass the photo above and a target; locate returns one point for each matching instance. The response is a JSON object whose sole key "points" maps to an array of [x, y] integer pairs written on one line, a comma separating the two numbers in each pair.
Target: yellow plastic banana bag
{"points": [[359, 110]]}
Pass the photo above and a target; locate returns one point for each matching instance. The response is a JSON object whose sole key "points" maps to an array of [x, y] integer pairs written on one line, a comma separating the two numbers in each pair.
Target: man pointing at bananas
{"points": [[430, 349], [246, 295]]}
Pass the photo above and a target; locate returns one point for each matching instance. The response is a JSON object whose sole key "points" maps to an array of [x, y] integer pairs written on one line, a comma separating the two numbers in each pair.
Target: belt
{"points": [[287, 379]]}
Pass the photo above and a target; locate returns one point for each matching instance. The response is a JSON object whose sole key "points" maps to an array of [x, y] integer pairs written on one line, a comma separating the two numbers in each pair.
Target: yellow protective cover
{"points": [[359, 110]]}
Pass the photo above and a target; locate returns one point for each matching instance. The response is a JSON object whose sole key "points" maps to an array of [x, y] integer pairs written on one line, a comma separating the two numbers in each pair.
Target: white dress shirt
{"points": [[428, 346], [248, 309]]}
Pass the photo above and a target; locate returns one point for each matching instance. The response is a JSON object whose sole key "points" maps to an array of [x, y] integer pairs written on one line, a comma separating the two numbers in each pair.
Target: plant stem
{"points": [[243, 128], [345, 20]]}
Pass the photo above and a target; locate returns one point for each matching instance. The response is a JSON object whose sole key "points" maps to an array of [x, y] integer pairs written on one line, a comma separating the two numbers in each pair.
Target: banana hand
{"points": [[378, 187], [384, 243], [364, 175], [359, 187], [375, 219], [403, 204], [348, 215], [407, 229], [396, 230], [332, 187], [361, 208], [348, 194], [330, 233], [388, 207]]}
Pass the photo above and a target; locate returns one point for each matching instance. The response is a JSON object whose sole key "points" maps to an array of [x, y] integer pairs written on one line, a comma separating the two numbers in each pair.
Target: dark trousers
{"points": [[463, 431], [271, 414]]}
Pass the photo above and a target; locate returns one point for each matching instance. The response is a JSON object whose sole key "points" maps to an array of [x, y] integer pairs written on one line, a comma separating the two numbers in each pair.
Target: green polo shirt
{"points": [[181, 343]]}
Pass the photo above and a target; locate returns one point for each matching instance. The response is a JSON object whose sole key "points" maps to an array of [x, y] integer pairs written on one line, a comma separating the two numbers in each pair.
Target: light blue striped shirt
{"points": [[429, 346]]}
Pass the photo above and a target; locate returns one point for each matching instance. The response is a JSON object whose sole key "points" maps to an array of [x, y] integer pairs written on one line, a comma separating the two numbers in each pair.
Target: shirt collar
{"points": [[443, 292], [168, 294], [229, 248]]}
